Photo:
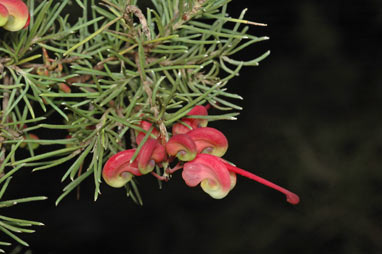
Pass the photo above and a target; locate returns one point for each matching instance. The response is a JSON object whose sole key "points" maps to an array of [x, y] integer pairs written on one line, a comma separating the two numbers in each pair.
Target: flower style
{"points": [[212, 173], [14, 15], [194, 123]]}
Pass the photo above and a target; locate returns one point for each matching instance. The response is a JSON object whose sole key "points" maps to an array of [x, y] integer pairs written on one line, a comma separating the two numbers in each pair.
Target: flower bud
{"points": [[181, 146], [64, 88], [209, 140], [32, 145]]}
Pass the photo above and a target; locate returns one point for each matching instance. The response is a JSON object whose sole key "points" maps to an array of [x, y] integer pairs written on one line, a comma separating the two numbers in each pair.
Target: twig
{"points": [[62, 61], [142, 19], [186, 16], [7, 81], [154, 107]]}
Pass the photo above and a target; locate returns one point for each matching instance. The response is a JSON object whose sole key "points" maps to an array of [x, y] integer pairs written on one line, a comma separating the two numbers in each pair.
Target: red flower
{"points": [[152, 152], [198, 110], [213, 174], [118, 170], [14, 15]]}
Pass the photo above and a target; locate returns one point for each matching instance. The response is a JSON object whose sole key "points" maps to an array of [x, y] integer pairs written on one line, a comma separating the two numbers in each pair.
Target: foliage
{"points": [[97, 77]]}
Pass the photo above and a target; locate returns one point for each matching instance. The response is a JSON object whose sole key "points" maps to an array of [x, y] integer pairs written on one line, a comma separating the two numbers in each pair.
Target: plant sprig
{"points": [[100, 75]]}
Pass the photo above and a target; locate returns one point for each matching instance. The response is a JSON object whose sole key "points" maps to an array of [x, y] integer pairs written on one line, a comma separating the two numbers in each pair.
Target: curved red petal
{"points": [[209, 140], [159, 153], [181, 146], [151, 152], [198, 110], [180, 128], [28, 21], [210, 172], [146, 126], [118, 170]]}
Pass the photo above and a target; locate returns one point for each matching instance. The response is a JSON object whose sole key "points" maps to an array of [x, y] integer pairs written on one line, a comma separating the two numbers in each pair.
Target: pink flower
{"points": [[118, 170], [216, 175], [211, 173], [200, 140], [198, 110], [14, 15]]}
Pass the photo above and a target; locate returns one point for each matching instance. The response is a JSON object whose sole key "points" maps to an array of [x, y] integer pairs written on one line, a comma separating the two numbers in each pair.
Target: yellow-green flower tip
{"points": [[4, 14]]}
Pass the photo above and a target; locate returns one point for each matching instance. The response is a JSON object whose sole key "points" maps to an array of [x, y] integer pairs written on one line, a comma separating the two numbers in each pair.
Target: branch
{"points": [[142, 19]]}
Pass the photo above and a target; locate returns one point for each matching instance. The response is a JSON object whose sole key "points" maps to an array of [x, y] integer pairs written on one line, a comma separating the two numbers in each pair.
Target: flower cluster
{"points": [[197, 148], [14, 15]]}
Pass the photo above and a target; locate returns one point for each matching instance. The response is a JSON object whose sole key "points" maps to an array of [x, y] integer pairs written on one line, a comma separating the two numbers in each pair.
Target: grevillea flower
{"points": [[18, 15], [194, 123], [64, 88], [152, 152], [118, 170], [212, 174], [146, 126], [209, 140], [182, 146]]}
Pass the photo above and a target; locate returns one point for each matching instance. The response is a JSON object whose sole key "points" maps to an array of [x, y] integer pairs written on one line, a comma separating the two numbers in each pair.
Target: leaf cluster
{"points": [[100, 75]]}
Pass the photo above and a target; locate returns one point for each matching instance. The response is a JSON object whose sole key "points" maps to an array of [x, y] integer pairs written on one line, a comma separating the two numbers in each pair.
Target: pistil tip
{"points": [[293, 199]]}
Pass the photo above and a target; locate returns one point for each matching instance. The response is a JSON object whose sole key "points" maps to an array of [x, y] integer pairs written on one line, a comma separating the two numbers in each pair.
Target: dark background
{"points": [[311, 123]]}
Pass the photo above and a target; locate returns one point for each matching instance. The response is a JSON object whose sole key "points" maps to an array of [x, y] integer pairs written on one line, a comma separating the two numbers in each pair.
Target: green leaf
{"points": [[13, 202], [74, 184]]}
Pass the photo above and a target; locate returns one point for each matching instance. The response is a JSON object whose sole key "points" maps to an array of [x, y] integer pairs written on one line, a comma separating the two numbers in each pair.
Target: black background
{"points": [[311, 123]]}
